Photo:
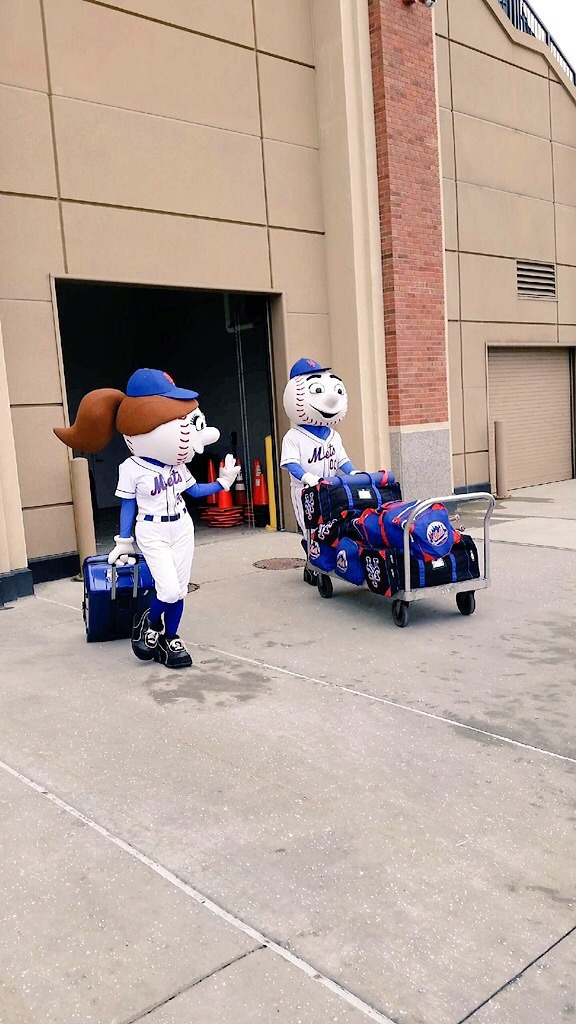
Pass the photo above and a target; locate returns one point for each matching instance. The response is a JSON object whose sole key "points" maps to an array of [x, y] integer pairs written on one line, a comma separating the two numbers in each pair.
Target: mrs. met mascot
{"points": [[163, 428]]}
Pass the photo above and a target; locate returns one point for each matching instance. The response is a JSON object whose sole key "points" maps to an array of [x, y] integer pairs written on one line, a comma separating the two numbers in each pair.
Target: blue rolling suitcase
{"points": [[113, 597]]}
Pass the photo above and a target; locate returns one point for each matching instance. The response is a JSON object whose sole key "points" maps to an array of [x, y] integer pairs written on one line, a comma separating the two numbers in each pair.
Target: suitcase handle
{"points": [[114, 578]]}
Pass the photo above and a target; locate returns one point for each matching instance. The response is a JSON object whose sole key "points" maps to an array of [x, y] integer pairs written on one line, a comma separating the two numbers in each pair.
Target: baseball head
{"points": [[175, 442], [317, 399]]}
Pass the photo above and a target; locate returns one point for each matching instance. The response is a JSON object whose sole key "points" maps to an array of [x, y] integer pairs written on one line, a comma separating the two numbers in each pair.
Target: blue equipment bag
{"points": [[348, 564], [114, 596], [346, 493], [432, 535], [321, 556]]}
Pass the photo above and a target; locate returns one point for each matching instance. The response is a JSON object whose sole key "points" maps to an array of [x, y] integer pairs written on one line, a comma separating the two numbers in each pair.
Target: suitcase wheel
{"points": [[325, 587], [466, 601], [401, 613]]}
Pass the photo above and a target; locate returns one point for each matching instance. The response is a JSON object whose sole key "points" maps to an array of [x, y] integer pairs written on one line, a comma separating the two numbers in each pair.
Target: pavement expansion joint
{"points": [[516, 977], [142, 1014]]}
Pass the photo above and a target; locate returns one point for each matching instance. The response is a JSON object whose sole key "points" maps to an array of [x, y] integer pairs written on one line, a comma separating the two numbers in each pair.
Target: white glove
{"points": [[123, 553], [309, 480], [228, 472]]}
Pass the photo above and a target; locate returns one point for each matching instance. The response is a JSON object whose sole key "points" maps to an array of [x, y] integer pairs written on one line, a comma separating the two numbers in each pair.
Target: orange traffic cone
{"points": [[260, 488], [240, 488], [260, 496], [212, 499]]}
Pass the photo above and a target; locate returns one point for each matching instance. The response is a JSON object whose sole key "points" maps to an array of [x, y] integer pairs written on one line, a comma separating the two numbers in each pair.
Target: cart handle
{"points": [[421, 506]]}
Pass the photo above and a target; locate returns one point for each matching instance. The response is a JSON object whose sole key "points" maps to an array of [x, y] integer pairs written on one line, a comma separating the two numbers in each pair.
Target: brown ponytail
{"points": [[95, 421]]}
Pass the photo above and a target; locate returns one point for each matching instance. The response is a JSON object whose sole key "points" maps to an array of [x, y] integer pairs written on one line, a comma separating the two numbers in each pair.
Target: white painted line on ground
{"points": [[60, 603], [193, 893], [384, 700]]}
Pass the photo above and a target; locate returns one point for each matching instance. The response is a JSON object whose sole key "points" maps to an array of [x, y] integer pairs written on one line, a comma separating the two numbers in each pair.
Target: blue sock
{"points": [[172, 614], [172, 617]]}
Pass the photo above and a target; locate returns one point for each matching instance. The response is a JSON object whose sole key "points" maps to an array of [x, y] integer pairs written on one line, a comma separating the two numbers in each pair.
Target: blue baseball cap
{"points": [[156, 382], [304, 366]]}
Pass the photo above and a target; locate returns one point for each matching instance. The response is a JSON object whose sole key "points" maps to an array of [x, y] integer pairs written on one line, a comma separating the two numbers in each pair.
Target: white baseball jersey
{"points": [[321, 457], [157, 489], [167, 547]]}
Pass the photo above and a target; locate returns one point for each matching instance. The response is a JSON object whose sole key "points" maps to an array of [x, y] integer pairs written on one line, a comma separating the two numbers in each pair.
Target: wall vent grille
{"points": [[536, 280]]}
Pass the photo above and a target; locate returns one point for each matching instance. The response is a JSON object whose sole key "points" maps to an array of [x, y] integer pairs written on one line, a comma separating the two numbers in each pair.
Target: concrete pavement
{"points": [[388, 810]]}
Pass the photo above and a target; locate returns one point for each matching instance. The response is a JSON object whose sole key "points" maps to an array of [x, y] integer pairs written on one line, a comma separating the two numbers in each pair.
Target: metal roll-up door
{"points": [[530, 390]]}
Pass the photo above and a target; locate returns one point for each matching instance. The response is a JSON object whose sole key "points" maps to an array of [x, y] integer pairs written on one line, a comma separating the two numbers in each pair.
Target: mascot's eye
{"points": [[316, 389], [339, 389], [200, 422]]}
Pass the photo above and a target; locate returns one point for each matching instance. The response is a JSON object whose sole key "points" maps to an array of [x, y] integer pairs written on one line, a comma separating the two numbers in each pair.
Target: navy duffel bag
{"points": [[384, 569], [347, 493]]}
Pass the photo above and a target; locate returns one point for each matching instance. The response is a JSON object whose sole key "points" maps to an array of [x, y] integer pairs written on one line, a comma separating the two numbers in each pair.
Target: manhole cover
{"points": [[192, 587], [280, 563]]}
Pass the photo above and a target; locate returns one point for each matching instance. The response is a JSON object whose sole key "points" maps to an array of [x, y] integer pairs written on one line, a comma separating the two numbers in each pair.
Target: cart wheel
{"points": [[325, 588], [310, 577], [401, 613], [466, 602]]}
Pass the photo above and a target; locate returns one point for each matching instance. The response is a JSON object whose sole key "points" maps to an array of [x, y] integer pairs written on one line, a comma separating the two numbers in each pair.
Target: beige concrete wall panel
{"points": [[42, 459], [30, 352], [440, 14], [488, 290], [475, 419], [452, 286], [450, 213], [293, 186], [477, 471], [497, 157], [563, 116], [31, 247], [299, 270], [22, 57], [498, 92], [566, 234], [566, 281], [124, 158], [565, 173], [288, 97], [108, 57], [474, 355], [308, 334], [459, 470], [127, 245], [447, 143], [444, 88], [284, 27], [473, 23], [227, 19], [502, 224], [455, 388], [50, 531], [567, 334], [26, 149]]}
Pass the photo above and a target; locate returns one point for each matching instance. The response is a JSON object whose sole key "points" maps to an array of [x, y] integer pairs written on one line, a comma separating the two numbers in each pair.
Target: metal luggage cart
{"points": [[402, 599]]}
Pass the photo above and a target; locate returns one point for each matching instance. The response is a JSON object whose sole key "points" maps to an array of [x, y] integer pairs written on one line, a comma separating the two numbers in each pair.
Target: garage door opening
{"points": [[217, 343], [531, 391]]}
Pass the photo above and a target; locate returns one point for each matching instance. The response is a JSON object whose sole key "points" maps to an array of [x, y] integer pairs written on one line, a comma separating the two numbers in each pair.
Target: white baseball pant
{"points": [[168, 549]]}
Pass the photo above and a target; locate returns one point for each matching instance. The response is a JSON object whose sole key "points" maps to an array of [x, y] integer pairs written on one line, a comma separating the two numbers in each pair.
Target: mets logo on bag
{"points": [[309, 505], [342, 561], [437, 533], [373, 571], [314, 549]]}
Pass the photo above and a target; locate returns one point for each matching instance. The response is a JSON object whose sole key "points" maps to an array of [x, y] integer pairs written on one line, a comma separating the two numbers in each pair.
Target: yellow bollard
{"points": [[273, 525]]}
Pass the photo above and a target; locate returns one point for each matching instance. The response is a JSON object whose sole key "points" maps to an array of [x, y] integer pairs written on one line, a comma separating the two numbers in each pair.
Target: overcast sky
{"points": [[559, 16]]}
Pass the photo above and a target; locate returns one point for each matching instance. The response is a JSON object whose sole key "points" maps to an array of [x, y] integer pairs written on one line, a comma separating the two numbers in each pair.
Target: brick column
{"points": [[409, 185]]}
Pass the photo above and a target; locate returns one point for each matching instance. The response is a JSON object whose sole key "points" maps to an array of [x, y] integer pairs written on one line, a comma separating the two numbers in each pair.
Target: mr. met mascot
{"points": [[315, 400], [163, 428]]}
